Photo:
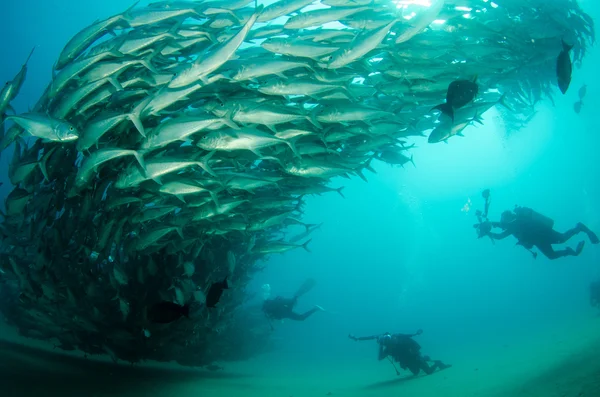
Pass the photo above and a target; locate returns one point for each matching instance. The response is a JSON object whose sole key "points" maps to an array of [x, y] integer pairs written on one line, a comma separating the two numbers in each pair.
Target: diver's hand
{"points": [[354, 338]]}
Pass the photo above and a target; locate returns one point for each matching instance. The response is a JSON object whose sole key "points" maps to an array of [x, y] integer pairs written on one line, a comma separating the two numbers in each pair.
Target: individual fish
{"points": [[564, 68], [96, 129], [86, 37], [423, 19], [167, 312], [358, 47], [279, 247], [581, 93], [215, 292], [281, 8], [92, 162], [157, 168], [74, 69], [180, 129], [199, 70], [46, 127], [245, 139], [319, 17], [460, 93], [297, 48]]}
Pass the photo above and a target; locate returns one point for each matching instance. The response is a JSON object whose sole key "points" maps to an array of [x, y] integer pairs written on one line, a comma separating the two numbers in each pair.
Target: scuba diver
{"points": [[403, 349], [280, 308], [595, 294], [531, 229]]}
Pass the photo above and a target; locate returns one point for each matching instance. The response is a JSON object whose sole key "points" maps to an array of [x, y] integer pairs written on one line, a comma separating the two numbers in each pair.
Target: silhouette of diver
{"points": [[403, 349], [532, 229], [280, 308]]}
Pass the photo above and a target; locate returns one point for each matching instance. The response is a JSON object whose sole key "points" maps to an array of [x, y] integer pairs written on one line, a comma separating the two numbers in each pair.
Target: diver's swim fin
{"points": [[305, 287], [579, 248], [591, 235]]}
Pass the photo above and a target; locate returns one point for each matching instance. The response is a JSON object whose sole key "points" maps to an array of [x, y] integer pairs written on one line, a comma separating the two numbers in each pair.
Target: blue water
{"points": [[398, 254]]}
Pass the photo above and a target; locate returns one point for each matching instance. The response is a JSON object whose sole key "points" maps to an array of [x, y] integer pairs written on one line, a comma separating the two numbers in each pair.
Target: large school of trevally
{"points": [[176, 142]]}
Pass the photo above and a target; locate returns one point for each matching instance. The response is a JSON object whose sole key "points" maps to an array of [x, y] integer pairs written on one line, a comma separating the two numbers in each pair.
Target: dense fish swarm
{"points": [[176, 153]]}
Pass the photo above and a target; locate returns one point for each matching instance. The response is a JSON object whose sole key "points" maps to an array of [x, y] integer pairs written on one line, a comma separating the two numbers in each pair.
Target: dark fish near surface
{"points": [[577, 106], [460, 93], [167, 312], [564, 68], [582, 92], [215, 292]]}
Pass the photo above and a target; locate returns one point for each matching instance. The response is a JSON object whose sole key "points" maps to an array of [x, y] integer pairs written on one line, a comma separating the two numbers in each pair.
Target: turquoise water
{"points": [[397, 254]]}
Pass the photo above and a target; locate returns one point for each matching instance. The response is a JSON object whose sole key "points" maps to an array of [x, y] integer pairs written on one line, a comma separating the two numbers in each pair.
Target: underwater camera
{"points": [[484, 226]]}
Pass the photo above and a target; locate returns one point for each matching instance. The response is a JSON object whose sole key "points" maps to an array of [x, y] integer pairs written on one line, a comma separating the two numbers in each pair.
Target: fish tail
{"points": [[313, 120], [140, 159], [305, 246], [502, 101], [147, 62], [115, 83], [339, 191], [566, 47], [135, 119], [204, 163], [293, 147], [127, 12], [228, 120], [42, 163]]}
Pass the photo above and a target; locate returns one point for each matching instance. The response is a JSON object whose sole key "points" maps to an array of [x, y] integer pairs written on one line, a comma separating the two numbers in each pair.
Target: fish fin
{"points": [[446, 109], [126, 14], [180, 232], [228, 120], [135, 119], [271, 127], [30, 54], [305, 246], [566, 47], [147, 63], [293, 148], [180, 197], [313, 120], [361, 175], [140, 159], [339, 191], [115, 83], [502, 101], [215, 197], [9, 107], [204, 164], [42, 163]]}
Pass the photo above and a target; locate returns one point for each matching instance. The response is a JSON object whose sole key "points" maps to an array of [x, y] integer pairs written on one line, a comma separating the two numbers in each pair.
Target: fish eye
{"points": [[71, 128]]}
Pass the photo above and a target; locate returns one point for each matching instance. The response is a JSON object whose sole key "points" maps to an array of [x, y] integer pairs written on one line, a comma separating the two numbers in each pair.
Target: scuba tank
{"points": [[534, 217]]}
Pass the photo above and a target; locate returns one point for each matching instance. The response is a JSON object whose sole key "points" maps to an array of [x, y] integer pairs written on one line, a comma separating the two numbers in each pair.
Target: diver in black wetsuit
{"points": [[403, 349], [532, 229], [536, 230], [280, 308], [595, 294]]}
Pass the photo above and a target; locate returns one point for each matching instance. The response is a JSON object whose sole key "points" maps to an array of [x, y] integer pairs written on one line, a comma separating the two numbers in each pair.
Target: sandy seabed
{"points": [[561, 363]]}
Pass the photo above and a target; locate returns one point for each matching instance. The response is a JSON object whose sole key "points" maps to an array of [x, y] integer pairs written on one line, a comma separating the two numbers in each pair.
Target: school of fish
{"points": [[173, 148]]}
